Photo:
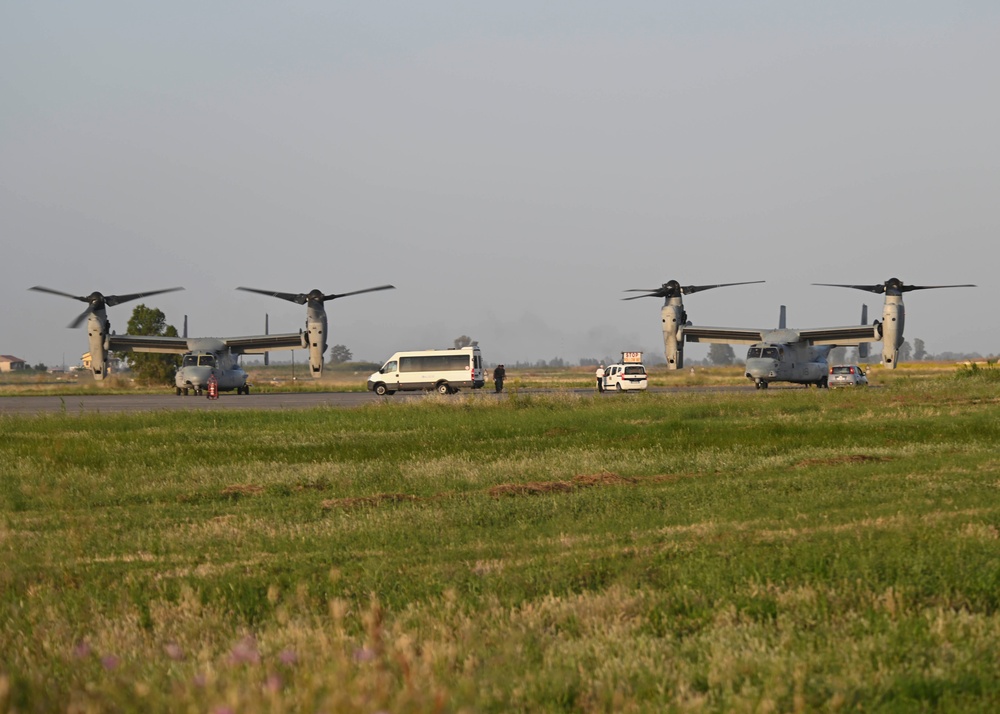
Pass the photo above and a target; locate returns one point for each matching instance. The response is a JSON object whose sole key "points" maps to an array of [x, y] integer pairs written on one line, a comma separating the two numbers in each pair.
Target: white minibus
{"points": [[444, 371]]}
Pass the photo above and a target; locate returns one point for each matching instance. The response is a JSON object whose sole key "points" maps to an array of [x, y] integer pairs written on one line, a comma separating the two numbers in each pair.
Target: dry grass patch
{"points": [[249, 489], [837, 460], [541, 487], [368, 501]]}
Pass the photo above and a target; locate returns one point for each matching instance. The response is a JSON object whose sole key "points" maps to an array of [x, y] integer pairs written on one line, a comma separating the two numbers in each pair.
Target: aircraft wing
{"points": [[724, 335], [850, 335], [258, 344], [148, 343]]}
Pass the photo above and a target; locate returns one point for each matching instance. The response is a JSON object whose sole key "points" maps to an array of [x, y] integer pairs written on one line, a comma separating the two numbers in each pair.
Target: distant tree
{"points": [[719, 354], [340, 354], [147, 366], [589, 362], [40, 367], [919, 353], [557, 362], [838, 355], [463, 341], [904, 351]]}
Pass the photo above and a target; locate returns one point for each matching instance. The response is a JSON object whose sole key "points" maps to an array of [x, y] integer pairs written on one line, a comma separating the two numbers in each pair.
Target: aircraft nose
{"points": [[758, 368], [195, 375]]}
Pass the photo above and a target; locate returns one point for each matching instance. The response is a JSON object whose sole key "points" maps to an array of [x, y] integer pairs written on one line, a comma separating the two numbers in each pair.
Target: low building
{"points": [[9, 363], [114, 364]]}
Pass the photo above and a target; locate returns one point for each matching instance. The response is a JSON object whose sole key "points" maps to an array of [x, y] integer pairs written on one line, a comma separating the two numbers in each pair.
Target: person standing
{"points": [[499, 374], [600, 377]]}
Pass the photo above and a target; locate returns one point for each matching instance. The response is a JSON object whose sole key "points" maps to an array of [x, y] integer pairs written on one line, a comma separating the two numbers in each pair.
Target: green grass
{"points": [[790, 550]]}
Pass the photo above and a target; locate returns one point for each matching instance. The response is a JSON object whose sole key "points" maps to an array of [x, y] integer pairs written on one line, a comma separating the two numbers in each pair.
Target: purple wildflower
{"points": [[110, 662], [364, 654], [245, 651]]}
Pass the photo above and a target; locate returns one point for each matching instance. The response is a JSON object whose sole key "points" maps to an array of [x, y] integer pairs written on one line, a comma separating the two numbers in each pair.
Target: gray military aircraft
{"points": [[786, 355], [203, 357]]}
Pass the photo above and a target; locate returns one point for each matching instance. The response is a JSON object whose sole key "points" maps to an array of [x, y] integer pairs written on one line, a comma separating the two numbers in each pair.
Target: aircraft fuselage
{"points": [[198, 366], [798, 363]]}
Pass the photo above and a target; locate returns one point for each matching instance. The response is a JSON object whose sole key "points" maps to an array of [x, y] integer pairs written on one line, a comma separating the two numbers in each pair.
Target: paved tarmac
{"points": [[118, 403]]}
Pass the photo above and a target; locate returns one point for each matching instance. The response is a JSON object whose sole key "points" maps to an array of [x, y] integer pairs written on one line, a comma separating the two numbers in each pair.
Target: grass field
{"points": [[789, 550], [353, 377]]}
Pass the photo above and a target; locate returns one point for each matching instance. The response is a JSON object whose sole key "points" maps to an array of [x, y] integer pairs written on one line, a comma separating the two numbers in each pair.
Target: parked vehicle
{"points": [[846, 375], [444, 371], [625, 377]]}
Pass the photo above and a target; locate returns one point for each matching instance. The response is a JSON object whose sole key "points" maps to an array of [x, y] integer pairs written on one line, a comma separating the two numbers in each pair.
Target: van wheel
{"points": [[443, 388], [381, 390], [618, 387]]}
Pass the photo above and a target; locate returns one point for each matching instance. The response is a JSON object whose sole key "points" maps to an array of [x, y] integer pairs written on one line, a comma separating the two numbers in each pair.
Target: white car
{"points": [[622, 377], [846, 375]]}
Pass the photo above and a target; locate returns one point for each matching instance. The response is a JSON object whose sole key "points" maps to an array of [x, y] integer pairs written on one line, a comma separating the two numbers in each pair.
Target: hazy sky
{"points": [[510, 167]]}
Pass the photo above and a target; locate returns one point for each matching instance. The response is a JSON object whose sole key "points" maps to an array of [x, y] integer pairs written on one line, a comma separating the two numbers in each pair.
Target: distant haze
{"points": [[511, 168]]}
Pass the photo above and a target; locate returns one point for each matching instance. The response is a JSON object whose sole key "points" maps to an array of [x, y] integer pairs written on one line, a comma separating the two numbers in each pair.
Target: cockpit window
{"points": [[190, 361], [206, 360], [770, 353], [753, 353]]}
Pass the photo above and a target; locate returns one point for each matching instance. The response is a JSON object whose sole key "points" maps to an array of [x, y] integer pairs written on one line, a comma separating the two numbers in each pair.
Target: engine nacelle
{"points": [[673, 318], [316, 335], [893, 317], [98, 328]]}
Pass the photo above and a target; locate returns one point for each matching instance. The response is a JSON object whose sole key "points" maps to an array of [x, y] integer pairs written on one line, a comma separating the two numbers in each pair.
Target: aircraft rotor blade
{"points": [[907, 288], [97, 300], [298, 298], [334, 296], [892, 285], [636, 297], [112, 300], [697, 288], [39, 288], [80, 318], [880, 288], [673, 288]]}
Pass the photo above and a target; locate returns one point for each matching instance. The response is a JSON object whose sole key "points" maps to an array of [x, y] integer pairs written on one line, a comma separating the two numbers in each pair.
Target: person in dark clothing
{"points": [[499, 374]]}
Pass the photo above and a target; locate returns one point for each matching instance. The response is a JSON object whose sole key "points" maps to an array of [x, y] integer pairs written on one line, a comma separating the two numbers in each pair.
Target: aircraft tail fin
{"points": [[781, 319], [185, 327]]}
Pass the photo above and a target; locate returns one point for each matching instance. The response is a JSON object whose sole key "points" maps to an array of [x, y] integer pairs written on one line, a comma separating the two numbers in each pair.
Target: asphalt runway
{"points": [[120, 403]]}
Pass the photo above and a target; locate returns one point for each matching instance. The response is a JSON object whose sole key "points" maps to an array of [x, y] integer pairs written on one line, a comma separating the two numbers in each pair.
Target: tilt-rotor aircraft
{"points": [[204, 357], [783, 354]]}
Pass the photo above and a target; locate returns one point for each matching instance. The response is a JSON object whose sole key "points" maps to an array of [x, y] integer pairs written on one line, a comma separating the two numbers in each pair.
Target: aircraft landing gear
{"points": [[761, 384]]}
